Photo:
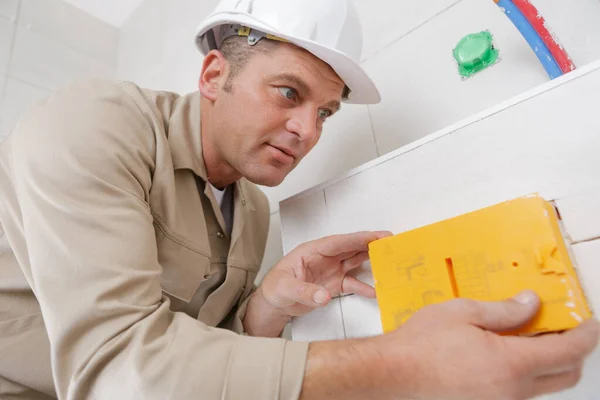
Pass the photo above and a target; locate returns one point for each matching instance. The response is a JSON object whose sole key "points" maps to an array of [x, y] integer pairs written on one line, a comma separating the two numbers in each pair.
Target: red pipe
{"points": [[539, 24]]}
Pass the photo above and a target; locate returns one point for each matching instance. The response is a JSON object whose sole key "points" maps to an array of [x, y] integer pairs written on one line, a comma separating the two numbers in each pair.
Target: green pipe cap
{"points": [[474, 53]]}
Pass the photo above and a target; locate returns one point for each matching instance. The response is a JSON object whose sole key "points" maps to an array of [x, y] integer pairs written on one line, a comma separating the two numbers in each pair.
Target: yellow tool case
{"points": [[489, 254]]}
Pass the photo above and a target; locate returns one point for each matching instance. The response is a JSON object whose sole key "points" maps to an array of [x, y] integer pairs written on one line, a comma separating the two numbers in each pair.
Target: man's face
{"points": [[274, 113]]}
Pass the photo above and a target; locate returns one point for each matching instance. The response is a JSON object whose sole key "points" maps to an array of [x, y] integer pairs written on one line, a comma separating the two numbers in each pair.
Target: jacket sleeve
{"points": [[82, 167]]}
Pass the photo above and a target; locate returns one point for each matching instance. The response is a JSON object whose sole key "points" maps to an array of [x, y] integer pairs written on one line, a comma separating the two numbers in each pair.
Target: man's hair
{"points": [[238, 52]]}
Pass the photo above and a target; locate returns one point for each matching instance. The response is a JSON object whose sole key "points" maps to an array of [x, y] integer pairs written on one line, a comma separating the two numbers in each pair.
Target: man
{"points": [[131, 235]]}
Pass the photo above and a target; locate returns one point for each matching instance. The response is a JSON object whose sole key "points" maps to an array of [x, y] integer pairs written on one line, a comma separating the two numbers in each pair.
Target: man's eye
{"points": [[288, 93], [324, 114]]}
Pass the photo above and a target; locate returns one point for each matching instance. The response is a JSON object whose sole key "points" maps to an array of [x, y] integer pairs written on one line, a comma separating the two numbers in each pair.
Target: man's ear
{"points": [[213, 75]]}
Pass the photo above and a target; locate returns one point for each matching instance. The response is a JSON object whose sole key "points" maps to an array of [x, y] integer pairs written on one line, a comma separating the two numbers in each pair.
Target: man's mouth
{"points": [[282, 154]]}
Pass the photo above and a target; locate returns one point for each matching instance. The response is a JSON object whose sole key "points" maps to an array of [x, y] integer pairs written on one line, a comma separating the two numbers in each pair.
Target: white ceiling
{"points": [[114, 12]]}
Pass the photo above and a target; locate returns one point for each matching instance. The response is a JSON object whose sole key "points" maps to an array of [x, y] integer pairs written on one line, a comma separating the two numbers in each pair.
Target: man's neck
{"points": [[219, 173]]}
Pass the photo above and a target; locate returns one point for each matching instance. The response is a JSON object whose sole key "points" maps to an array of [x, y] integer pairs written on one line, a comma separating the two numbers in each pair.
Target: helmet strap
{"points": [[254, 35]]}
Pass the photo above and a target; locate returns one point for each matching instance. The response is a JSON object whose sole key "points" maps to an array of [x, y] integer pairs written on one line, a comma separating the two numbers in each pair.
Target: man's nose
{"points": [[303, 123]]}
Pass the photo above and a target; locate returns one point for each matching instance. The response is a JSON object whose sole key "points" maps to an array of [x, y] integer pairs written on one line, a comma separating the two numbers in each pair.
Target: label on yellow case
{"points": [[489, 254]]}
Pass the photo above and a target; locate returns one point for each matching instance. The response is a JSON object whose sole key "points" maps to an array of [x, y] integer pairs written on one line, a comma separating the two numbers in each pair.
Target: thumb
{"points": [[287, 290], [312, 295], [506, 315]]}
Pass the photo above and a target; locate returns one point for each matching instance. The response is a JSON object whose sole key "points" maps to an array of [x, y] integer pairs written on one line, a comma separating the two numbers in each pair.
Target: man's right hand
{"points": [[450, 351]]}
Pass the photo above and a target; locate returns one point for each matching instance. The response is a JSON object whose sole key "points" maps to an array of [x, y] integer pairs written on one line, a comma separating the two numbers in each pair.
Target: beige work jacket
{"points": [[102, 232]]}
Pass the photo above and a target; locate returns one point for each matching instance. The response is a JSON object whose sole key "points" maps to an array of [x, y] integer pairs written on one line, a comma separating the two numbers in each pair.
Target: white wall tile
{"points": [[140, 44], [361, 316], [180, 19], [478, 165], [308, 212], [274, 247], [575, 26], [320, 324], [347, 141], [580, 214], [418, 77], [361, 213], [114, 12], [384, 21], [417, 74], [152, 78], [50, 64], [586, 257], [9, 9], [2, 87], [7, 29], [66, 24], [18, 97], [172, 62], [181, 67]]}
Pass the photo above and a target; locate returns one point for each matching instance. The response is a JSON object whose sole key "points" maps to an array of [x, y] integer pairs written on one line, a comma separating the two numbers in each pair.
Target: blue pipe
{"points": [[531, 36]]}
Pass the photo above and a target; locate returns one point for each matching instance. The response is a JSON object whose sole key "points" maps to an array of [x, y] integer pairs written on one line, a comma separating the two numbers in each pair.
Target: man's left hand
{"points": [[308, 277]]}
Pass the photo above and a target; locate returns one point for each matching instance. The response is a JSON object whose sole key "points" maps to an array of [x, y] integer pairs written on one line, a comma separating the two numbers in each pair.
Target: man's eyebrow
{"points": [[303, 86], [336, 105]]}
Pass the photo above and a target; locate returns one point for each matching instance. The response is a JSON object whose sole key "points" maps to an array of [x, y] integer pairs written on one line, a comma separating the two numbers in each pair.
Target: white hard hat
{"points": [[329, 29]]}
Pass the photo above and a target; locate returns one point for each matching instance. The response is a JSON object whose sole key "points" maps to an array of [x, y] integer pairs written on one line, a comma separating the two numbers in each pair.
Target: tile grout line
{"points": [[33, 85], [593, 239], [373, 131], [402, 36], [14, 38], [342, 314], [96, 58], [10, 52], [326, 207], [339, 299]]}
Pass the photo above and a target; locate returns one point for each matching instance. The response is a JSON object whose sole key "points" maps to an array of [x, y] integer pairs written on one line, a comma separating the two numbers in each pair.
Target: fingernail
{"points": [[525, 298], [320, 296]]}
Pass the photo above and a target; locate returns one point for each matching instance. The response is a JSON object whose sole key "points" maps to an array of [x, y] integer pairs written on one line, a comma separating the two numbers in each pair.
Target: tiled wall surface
{"points": [[408, 52], [516, 149], [45, 44], [419, 82]]}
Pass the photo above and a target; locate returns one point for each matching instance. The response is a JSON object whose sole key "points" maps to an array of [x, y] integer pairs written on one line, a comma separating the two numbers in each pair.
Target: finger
{"points": [[555, 352], [497, 316], [354, 261], [352, 285], [337, 244], [348, 254], [555, 383]]}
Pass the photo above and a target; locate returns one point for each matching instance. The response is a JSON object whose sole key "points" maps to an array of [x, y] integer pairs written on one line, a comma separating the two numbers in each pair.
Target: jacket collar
{"points": [[184, 135]]}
